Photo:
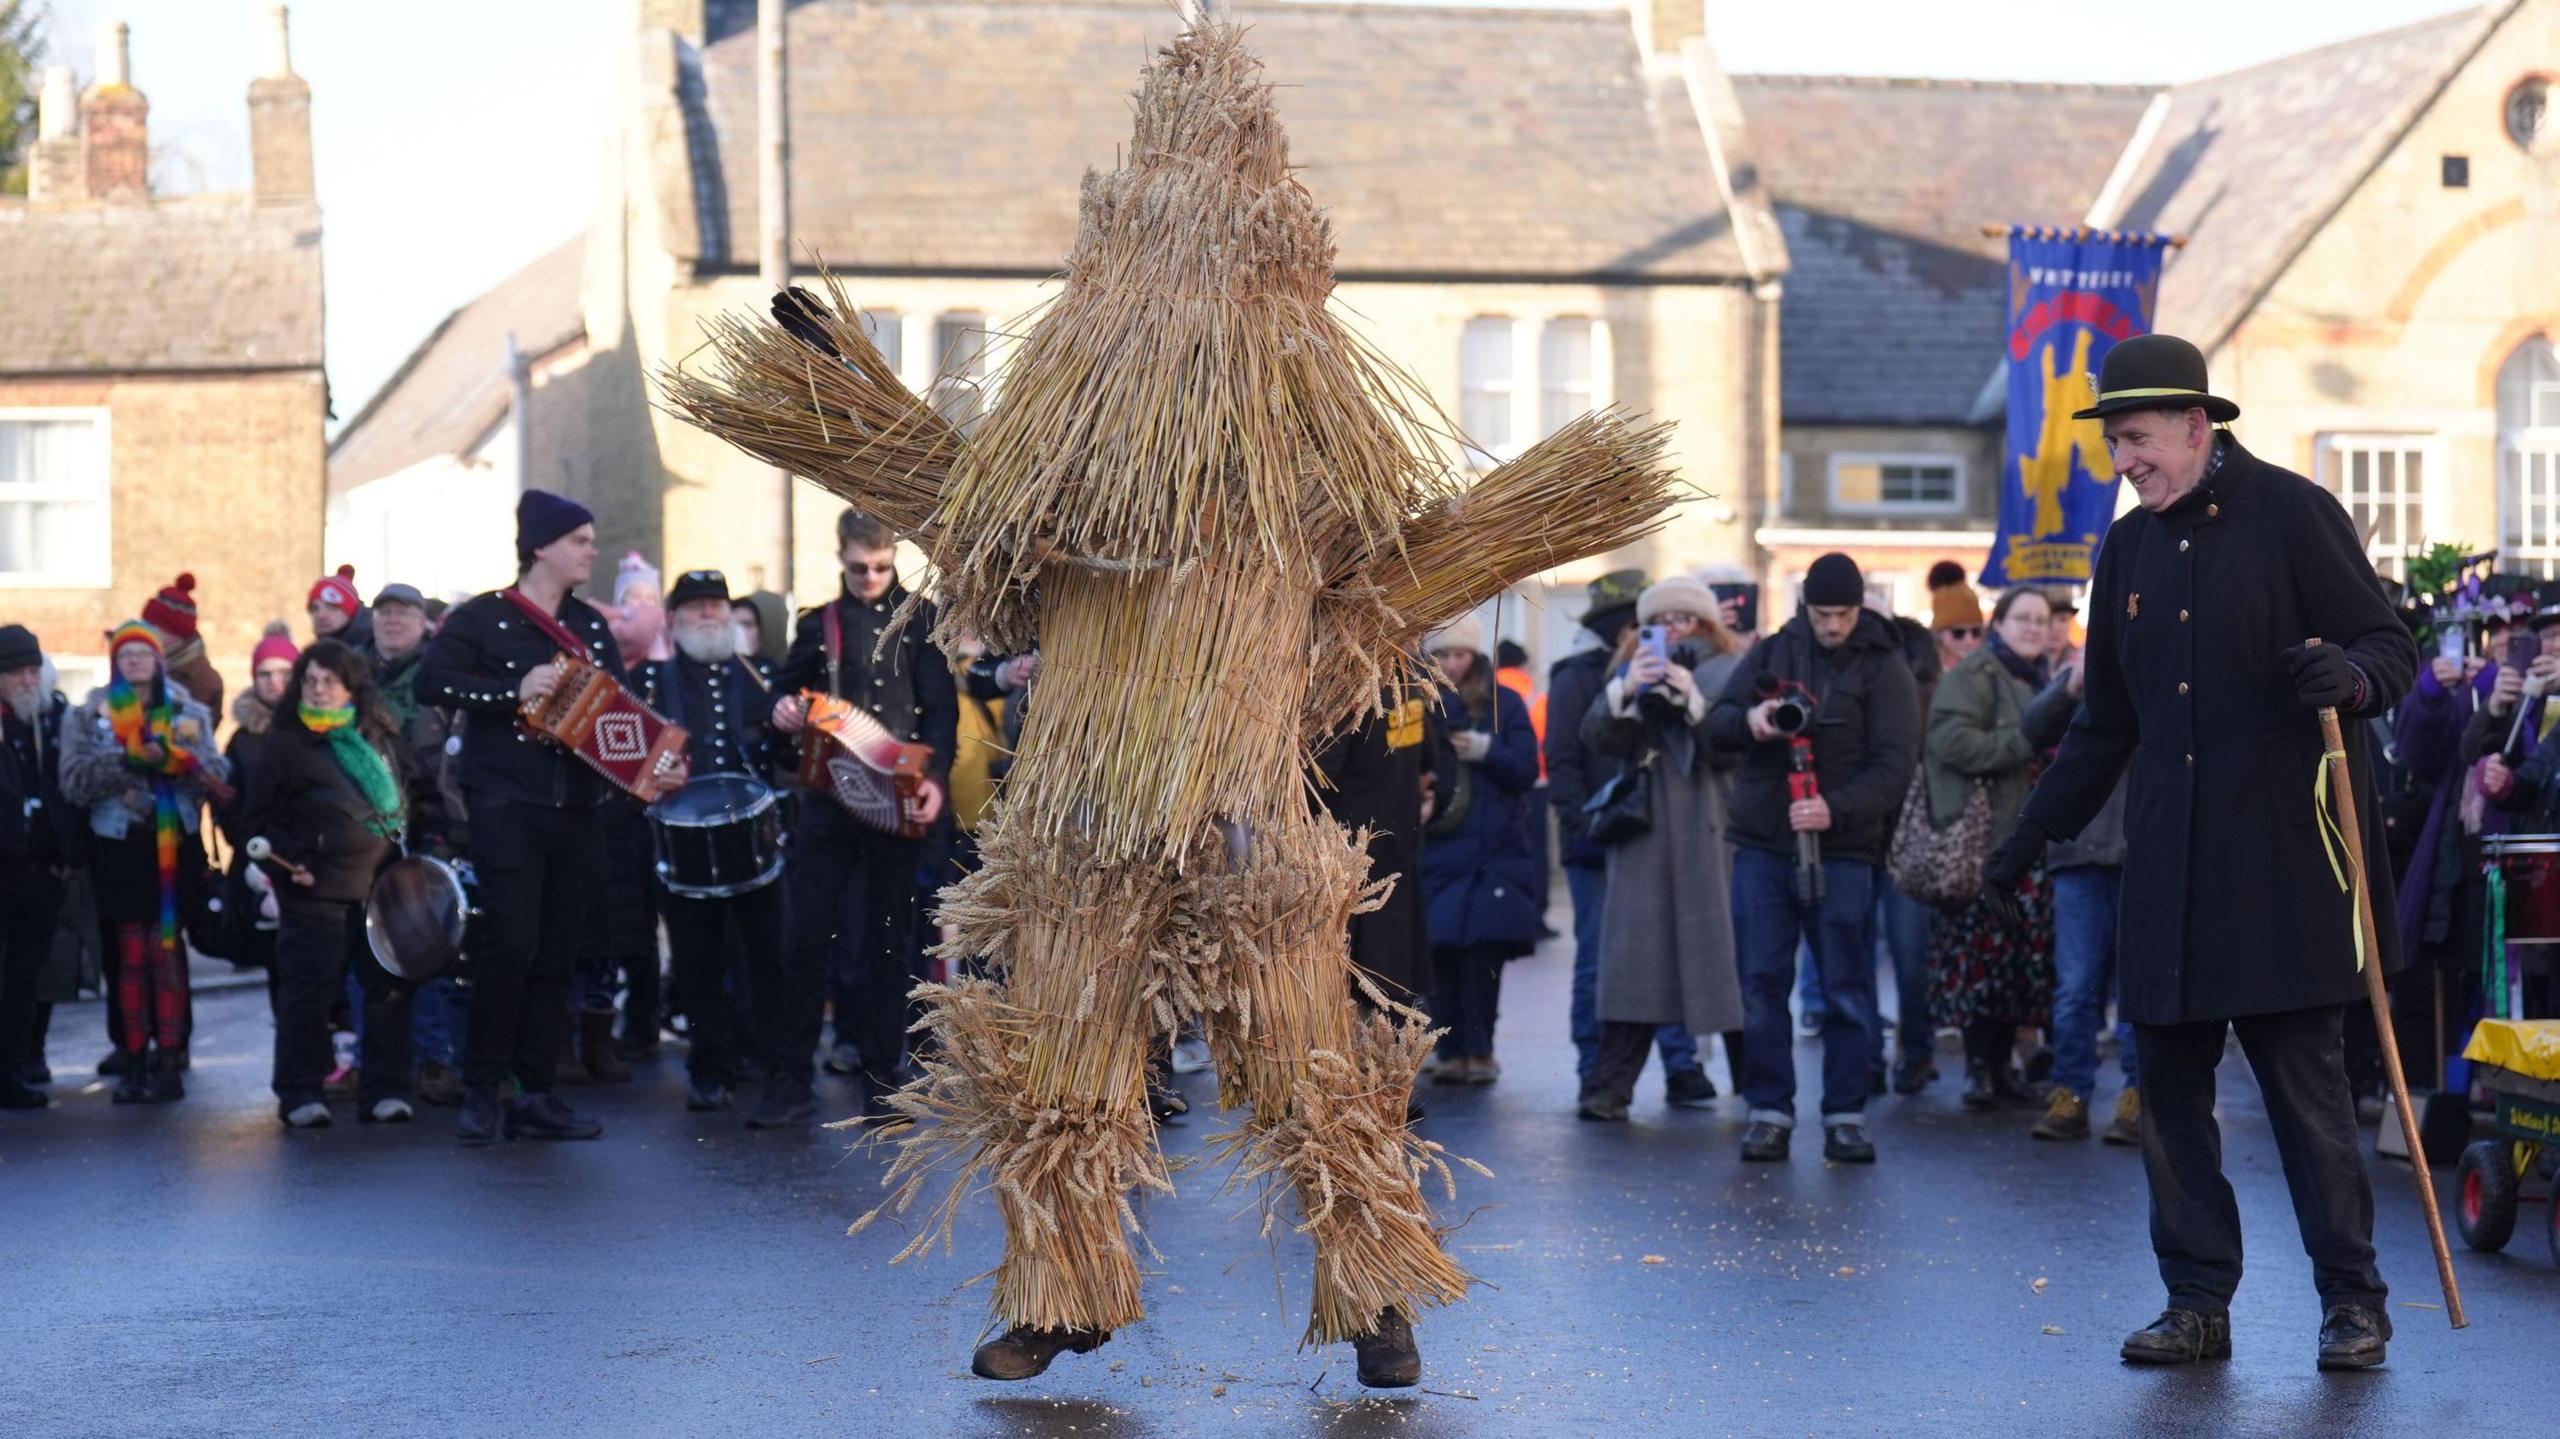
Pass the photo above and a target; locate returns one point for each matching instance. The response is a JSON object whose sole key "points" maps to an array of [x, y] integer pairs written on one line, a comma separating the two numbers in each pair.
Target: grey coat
{"points": [[2102, 843], [1666, 931]]}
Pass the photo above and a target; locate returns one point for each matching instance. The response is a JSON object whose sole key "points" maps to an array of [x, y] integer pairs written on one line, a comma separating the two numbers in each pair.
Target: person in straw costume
{"points": [[1226, 523]]}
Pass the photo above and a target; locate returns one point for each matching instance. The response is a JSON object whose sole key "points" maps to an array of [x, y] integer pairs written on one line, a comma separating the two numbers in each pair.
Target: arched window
{"points": [[2529, 456]]}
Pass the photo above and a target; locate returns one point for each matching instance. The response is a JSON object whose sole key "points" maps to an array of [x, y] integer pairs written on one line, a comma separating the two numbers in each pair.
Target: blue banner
{"points": [[2072, 295]]}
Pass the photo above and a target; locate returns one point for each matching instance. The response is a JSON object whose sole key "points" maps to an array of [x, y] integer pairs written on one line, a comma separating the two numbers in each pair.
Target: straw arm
{"points": [[1596, 484]]}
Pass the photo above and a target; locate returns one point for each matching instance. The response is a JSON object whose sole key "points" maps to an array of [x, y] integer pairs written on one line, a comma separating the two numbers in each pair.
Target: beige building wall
{"points": [[2395, 319], [219, 476]]}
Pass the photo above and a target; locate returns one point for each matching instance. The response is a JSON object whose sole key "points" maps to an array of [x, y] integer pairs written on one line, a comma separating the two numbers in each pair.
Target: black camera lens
{"points": [[1789, 717]]}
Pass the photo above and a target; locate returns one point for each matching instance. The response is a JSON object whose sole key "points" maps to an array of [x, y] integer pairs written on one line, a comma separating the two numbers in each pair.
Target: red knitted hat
{"points": [[275, 644], [337, 591], [173, 611]]}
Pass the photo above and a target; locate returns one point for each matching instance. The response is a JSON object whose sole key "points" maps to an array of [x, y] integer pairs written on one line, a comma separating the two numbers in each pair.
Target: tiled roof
{"points": [[2250, 164], [1894, 308], [452, 390], [199, 282], [951, 135]]}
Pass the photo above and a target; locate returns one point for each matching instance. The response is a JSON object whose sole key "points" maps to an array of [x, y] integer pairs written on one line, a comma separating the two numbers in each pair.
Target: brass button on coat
{"points": [[2182, 686]]}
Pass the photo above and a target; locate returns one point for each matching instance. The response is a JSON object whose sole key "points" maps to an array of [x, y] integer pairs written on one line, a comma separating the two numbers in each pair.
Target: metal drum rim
{"points": [[772, 872], [373, 936], [766, 798], [2520, 844]]}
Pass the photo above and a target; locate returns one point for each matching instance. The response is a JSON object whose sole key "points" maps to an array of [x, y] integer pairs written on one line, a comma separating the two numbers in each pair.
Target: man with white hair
{"points": [[35, 850]]}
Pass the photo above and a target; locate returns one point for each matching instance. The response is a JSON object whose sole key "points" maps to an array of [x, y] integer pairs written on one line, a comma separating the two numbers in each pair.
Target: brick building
{"points": [[161, 396], [1538, 212]]}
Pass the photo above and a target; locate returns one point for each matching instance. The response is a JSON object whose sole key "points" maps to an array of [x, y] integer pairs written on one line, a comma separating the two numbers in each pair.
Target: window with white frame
{"points": [[2529, 458], [54, 499], [959, 389], [1897, 484], [1485, 388], [2383, 481], [1565, 387], [888, 334]]}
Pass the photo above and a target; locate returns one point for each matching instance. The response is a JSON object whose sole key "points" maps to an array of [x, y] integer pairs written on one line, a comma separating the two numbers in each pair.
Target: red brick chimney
{"points": [[115, 122]]}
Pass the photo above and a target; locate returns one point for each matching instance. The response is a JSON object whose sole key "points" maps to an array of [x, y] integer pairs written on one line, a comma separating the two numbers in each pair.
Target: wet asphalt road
{"points": [[196, 1270]]}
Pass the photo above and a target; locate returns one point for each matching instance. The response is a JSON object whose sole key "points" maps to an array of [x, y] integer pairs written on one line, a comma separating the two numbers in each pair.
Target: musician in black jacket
{"points": [[39, 842], [725, 705], [536, 838], [855, 895]]}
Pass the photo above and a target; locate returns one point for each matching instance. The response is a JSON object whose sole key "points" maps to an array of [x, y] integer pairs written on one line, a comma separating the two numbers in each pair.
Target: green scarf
{"points": [[363, 763]]}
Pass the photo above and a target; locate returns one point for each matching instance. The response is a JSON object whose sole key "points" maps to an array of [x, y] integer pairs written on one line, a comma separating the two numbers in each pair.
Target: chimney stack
{"points": [[56, 174], [115, 122], [1663, 26], [280, 120]]}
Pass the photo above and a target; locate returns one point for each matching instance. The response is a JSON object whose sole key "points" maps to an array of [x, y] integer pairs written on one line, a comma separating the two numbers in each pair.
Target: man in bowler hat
{"points": [[2203, 682]]}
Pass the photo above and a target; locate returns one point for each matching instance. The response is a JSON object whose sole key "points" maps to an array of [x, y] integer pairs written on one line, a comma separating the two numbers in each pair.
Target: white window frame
{"points": [[1838, 506], [1481, 454], [2417, 517], [2529, 514], [1579, 398], [85, 575], [940, 395]]}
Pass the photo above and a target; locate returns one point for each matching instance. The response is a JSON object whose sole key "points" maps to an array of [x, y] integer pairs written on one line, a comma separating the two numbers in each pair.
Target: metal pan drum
{"points": [[417, 918], [720, 835]]}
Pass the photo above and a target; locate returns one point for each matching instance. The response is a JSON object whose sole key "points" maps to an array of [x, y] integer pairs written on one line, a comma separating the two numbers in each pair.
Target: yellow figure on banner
{"points": [[2046, 470]]}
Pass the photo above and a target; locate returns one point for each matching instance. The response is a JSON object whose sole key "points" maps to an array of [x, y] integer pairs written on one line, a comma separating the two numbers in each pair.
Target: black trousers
{"points": [[317, 942], [30, 907], [856, 909], [2299, 1057], [1466, 997], [1623, 1047], [538, 868], [698, 932]]}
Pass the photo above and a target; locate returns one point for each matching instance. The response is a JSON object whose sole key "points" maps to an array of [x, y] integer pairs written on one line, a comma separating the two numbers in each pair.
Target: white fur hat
{"points": [[1679, 592], [1466, 632]]}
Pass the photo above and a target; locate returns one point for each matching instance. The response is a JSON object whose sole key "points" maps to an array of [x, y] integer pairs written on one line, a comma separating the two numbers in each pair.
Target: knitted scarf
{"points": [[138, 725], [364, 765]]}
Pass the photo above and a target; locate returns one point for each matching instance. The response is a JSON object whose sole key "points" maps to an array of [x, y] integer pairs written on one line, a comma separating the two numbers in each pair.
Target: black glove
{"points": [[2007, 864], [2323, 676]]}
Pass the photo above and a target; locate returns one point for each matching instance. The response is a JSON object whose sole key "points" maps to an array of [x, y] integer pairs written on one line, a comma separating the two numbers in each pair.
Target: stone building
{"points": [[1538, 212], [2372, 265], [161, 396]]}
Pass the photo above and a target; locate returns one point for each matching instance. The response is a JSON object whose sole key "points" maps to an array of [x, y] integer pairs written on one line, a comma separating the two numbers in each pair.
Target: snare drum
{"points": [[2530, 864], [720, 835]]}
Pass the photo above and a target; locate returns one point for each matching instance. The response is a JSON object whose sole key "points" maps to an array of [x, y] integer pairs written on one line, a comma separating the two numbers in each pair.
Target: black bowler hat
{"points": [[2155, 372], [698, 585]]}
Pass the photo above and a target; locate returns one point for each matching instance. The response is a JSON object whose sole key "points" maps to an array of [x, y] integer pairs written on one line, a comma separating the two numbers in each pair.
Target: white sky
{"points": [[456, 141]]}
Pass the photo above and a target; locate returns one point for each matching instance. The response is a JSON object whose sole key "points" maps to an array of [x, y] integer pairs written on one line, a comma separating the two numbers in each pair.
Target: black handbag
{"points": [[1621, 809]]}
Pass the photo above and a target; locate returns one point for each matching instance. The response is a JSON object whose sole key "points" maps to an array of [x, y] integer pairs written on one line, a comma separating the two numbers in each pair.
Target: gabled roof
{"points": [[945, 135], [1896, 302], [2249, 165], [195, 282], [452, 390]]}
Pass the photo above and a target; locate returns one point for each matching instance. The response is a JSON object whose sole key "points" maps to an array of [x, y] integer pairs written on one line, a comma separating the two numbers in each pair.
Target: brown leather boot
{"points": [[1023, 1352], [595, 1044], [1388, 1358]]}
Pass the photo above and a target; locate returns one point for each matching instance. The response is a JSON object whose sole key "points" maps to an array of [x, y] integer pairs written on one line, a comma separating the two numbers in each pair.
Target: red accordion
{"points": [[593, 717], [851, 757]]}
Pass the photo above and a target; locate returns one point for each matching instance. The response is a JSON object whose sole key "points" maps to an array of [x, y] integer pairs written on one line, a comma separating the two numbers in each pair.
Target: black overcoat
{"points": [[2229, 904]]}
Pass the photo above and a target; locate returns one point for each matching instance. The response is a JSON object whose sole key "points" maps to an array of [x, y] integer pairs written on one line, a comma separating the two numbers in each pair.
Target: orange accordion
{"points": [[848, 755], [590, 714]]}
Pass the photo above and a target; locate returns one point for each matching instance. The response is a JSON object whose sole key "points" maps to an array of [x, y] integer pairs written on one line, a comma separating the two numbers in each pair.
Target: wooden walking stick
{"points": [[2334, 755]]}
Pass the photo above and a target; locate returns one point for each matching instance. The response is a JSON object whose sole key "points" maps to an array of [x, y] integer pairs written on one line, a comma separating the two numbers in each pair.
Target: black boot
{"points": [[161, 1084], [1023, 1352], [547, 1116], [133, 1079], [2353, 1337], [785, 1104], [2179, 1336], [1388, 1358], [480, 1118], [1978, 1093]]}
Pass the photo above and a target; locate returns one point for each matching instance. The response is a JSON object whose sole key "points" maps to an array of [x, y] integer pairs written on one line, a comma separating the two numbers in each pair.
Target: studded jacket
{"points": [[724, 708], [476, 663], [909, 689]]}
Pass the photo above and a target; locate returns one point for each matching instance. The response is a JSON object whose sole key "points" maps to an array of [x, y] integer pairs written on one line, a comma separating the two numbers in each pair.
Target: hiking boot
{"points": [[2127, 1125], [1689, 1089], [1445, 1069], [547, 1116], [2352, 1336], [2066, 1116], [439, 1084], [479, 1121], [785, 1104], [1388, 1358], [1765, 1143], [2179, 1336], [1603, 1105], [1913, 1073], [1483, 1069], [1847, 1143], [1023, 1352]]}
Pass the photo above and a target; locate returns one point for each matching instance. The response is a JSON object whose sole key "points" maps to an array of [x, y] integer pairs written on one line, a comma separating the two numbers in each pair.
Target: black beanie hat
{"points": [[18, 648], [542, 517], [1834, 580]]}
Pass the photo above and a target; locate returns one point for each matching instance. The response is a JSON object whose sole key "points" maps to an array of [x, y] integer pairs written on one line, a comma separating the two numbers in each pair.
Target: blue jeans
{"points": [[1589, 886], [1768, 924], [1906, 923], [2084, 963], [439, 1012]]}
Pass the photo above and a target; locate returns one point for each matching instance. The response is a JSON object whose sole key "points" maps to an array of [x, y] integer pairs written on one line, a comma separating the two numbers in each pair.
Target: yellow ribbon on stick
{"points": [[2334, 839]]}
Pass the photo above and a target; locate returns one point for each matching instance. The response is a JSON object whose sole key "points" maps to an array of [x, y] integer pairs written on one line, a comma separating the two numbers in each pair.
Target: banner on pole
{"points": [[2072, 295]]}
